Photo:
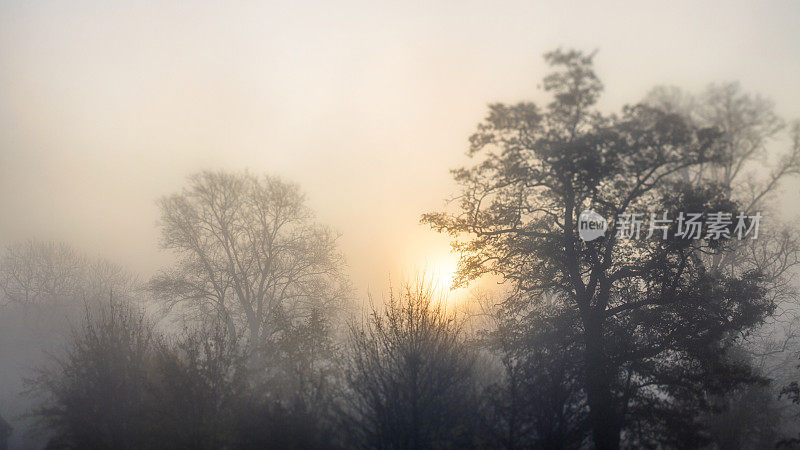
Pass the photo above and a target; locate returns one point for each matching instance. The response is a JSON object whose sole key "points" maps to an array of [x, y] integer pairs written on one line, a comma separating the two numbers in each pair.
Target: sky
{"points": [[107, 106]]}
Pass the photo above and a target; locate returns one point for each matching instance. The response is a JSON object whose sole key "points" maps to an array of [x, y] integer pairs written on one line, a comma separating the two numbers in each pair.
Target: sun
{"points": [[445, 279], [444, 272]]}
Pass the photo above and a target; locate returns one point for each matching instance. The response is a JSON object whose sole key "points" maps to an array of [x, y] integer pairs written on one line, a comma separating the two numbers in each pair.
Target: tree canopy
{"points": [[651, 318]]}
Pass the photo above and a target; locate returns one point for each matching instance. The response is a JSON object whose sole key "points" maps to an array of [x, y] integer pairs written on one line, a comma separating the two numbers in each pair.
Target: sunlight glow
{"points": [[443, 271]]}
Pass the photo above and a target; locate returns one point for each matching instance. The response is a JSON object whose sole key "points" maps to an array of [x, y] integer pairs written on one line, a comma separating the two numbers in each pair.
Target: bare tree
{"points": [[748, 124], [33, 272], [248, 252], [39, 272], [410, 376]]}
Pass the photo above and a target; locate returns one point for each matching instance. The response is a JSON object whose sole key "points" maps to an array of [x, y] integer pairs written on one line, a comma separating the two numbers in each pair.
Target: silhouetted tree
{"points": [[199, 383], [654, 320], [538, 403], [307, 370], [97, 394], [410, 376]]}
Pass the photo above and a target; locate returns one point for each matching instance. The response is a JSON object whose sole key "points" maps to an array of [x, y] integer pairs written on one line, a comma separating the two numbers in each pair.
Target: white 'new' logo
{"points": [[591, 225]]}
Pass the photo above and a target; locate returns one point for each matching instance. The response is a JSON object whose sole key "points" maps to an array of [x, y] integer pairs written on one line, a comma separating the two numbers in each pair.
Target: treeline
{"points": [[123, 384], [405, 381], [407, 375]]}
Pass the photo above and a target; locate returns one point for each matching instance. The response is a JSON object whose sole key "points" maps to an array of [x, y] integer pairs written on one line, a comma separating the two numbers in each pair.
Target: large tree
{"points": [[652, 319], [249, 253]]}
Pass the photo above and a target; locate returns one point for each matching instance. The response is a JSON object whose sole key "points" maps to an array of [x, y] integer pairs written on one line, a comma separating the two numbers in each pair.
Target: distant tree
{"points": [[655, 321], [410, 376], [248, 252], [309, 368], [747, 123], [37, 272], [33, 271], [749, 126]]}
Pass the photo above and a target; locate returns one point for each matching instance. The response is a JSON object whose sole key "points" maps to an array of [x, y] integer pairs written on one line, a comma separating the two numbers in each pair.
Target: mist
{"points": [[106, 108]]}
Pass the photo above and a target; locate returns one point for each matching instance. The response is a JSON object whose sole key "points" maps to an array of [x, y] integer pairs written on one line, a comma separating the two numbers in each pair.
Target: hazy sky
{"points": [[106, 106]]}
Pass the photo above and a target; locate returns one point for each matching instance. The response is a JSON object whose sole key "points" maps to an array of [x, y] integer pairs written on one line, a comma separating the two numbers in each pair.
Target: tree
{"points": [[122, 384], [749, 126], [33, 272], [538, 404], [248, 253], [47, 273], [199, 386], [97, 394], [410, 376], [44, 288], [655, 320], [309, 369]]}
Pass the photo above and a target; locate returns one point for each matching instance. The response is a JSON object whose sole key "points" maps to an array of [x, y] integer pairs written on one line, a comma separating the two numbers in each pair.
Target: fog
{"points": [[107, 107], [104, 108]]}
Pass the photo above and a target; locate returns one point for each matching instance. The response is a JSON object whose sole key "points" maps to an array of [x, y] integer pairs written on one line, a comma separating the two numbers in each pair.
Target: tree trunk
{"points": [[603, 415]]}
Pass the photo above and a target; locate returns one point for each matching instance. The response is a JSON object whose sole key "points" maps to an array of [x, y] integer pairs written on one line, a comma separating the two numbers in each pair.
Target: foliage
{"points": [[655, 321], [97, 394], [121, 384]]}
